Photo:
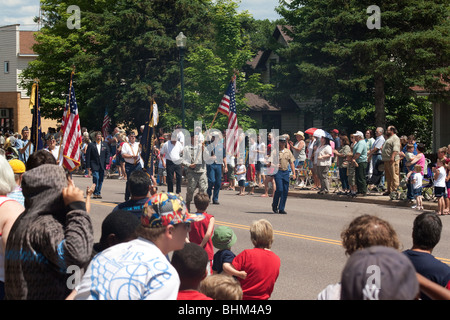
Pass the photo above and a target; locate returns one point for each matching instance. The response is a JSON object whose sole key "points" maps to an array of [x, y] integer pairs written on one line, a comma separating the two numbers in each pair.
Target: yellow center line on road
{"points": [[276, 232], [283, 233]]}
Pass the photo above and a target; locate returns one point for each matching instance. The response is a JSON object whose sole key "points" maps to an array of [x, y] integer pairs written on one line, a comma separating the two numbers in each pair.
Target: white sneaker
{"points": [[414, 207]]}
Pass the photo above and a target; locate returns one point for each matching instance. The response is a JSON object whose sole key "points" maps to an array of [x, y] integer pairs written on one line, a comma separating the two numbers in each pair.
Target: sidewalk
{"points": [[375, 198]]}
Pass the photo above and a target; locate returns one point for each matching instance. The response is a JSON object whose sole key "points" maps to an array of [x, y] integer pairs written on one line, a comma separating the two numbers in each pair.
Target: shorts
{"points": [[439, 192], [259, 166], [162, 172], [417, 192], [230, 172], [299, 164], [351, 174], [241, 183]]}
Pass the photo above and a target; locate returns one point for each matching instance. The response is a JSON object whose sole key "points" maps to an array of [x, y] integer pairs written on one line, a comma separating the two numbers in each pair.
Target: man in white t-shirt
{"points": [[171, 158], [139, 269], [131, 153]]}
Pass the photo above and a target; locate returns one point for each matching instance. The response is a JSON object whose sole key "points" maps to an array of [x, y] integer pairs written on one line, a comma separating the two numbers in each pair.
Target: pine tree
{"points": [[339, 55]]}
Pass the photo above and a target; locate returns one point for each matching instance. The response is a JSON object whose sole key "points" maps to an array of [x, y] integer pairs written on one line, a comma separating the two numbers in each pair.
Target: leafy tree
{"points": [[124, 54], [211, 66]]}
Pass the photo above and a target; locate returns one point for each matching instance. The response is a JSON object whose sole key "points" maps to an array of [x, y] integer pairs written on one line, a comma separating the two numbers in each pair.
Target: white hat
{"points": [[359, 133]]}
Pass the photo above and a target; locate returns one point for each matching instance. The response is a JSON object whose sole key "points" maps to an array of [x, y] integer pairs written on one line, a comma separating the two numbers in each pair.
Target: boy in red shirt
{"points": [[260, 263], [201, 233]]}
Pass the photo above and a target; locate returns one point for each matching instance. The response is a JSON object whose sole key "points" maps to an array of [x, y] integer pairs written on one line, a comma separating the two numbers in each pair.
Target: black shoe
{"points": [[274, 209], [99, 196], [216, 202], [282, 212]]}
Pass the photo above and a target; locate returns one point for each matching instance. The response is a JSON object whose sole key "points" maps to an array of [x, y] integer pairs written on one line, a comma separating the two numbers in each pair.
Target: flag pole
{"points": [[214, 119], [35, 119], [152, 143], [61, 147]]}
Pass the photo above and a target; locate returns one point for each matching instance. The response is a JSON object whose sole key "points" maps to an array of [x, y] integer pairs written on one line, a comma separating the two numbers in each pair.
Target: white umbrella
{"points": [[319, 133]]}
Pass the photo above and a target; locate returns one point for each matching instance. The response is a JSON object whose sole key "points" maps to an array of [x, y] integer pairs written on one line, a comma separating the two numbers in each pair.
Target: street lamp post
{"points": [[181, 44]]}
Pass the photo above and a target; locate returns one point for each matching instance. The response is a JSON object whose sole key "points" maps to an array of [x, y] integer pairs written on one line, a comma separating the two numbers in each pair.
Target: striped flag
{"points": [[224, 106], [229, 100], [71, 132], [106, 124]]}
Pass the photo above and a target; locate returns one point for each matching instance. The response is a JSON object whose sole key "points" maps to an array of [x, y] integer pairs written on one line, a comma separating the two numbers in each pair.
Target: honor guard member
{"points": [[285, 159], [24, 145], [195, 168]]}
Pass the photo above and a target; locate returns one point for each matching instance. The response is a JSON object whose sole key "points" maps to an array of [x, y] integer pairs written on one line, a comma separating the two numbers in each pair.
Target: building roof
{"points": [[257, 103], [26, 42], [281, 31], [259, 60]]}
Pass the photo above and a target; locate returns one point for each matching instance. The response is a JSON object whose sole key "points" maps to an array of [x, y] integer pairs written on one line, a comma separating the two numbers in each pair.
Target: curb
{"points": [[371, 198]]}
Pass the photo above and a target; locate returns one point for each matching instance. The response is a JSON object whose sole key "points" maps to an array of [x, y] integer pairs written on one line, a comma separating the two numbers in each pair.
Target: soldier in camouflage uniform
{"points": [[195, 166]]}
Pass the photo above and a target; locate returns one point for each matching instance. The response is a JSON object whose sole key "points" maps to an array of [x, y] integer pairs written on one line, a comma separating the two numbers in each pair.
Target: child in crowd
{"points": [[439, 185], [221, 287], [190, 263], [351, 173], [251, 178], [240, 176], [202, 231], [416, 180], [223, 239], [260, 263], [409, 155]]}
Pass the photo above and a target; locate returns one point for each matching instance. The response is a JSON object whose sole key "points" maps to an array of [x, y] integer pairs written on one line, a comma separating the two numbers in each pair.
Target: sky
{"points": [[23, 11]]}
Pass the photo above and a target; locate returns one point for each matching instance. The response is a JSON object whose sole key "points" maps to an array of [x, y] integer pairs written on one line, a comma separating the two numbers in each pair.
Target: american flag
{"points": [[106, 124], [224, 106], [71, 133], [229, 102]]}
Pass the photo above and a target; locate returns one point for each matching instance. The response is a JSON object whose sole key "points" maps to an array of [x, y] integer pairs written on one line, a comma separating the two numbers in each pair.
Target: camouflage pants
{"points": [[194, 181]]}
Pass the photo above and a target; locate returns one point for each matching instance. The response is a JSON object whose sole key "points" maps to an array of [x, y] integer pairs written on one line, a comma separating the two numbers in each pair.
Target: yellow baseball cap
{"points": [[17, 165]]}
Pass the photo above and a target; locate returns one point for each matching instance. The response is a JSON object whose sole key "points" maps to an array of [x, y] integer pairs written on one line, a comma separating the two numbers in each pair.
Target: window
{"points": [[6, 120], [6, 66]]}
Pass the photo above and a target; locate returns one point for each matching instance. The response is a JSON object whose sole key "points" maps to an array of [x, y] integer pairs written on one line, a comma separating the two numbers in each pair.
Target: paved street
{"points": [[307, 239]]}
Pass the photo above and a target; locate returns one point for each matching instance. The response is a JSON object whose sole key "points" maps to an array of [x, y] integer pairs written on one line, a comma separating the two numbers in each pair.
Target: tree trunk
{"points": [[380, 113]]}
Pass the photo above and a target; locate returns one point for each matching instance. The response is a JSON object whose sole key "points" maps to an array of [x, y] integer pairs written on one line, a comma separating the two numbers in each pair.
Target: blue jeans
{"points": [[214, 173], [344, 178], [129, 168], [282, 189], [97, 178]]}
